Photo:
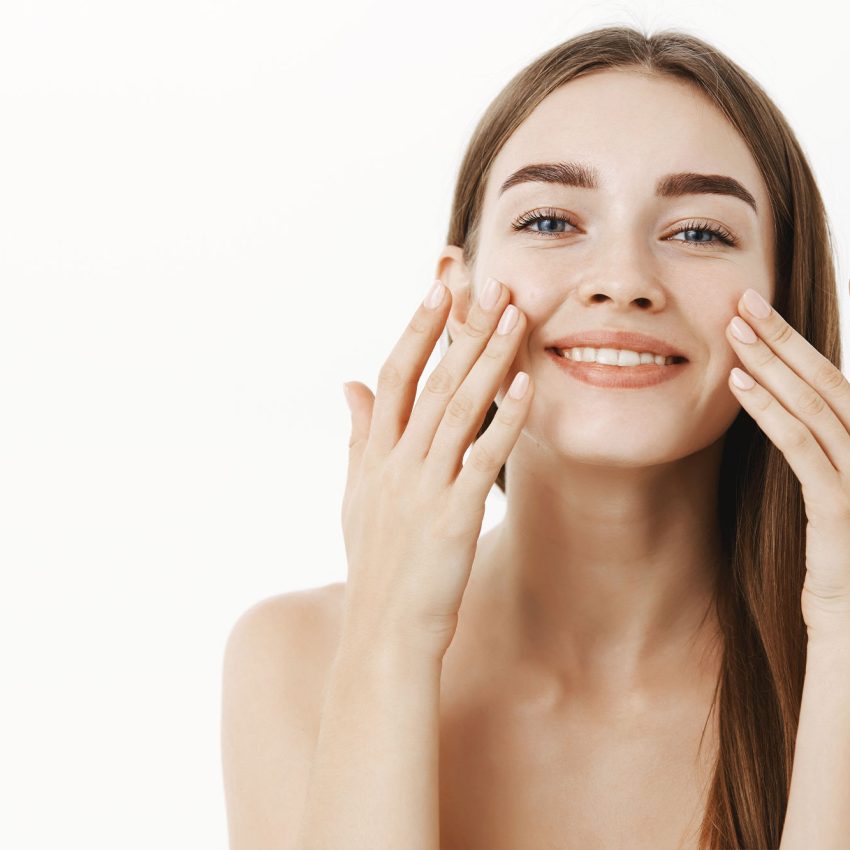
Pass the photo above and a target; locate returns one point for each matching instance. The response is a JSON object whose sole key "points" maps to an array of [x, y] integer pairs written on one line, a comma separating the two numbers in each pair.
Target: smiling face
{"points": [[616, 262]]}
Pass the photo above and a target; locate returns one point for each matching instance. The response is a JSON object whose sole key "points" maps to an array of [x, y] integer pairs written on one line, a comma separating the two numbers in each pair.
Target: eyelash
{"points": [[720, 233]]}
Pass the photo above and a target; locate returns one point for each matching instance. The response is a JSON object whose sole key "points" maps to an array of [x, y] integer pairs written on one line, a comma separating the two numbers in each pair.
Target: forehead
{"points": [[632, 127]]}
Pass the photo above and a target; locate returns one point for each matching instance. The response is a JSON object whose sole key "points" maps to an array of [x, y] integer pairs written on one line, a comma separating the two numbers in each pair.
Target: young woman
{"points": [[653, 646]]}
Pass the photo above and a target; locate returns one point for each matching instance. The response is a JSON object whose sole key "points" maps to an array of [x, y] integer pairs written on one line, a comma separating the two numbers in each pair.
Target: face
{"points": [[617, 262]]}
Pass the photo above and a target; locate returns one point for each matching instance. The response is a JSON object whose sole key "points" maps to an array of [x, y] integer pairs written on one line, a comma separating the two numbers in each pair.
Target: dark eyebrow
{"points": [[669, 186]]}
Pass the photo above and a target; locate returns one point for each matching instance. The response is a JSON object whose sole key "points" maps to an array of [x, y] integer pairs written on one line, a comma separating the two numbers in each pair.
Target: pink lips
{"points": [[618, 377]]}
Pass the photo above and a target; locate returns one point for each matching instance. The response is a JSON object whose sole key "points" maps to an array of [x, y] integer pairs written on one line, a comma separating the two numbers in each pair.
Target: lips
{"points": [[647, 375], [632, 340]]}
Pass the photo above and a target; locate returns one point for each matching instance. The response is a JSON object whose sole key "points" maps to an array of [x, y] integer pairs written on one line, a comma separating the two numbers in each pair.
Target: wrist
{"points": [[378, 650], [829, 647], [390, 640], [830, 631]]}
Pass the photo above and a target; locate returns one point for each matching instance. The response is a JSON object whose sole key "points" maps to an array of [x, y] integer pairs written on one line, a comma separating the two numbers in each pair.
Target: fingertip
{"points": [[436, 295], [519, 385]]}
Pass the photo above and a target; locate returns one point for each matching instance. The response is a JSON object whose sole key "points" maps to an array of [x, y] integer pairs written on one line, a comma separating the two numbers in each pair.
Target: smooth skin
{"points": [[572, 685], [412, 511], [610, 543], [371, 779], [412, 515]]}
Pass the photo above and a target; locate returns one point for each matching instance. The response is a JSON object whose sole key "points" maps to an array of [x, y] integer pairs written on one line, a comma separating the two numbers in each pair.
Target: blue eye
{"points": [[552, 218], [718, 234], [549, 215]]}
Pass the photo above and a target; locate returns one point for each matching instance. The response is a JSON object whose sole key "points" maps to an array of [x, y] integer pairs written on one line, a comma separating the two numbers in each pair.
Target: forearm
{"points": [[818, 813], [375, 774]]}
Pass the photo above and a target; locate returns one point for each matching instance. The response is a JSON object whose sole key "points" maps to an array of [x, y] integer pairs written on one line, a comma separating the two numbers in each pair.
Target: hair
{"points": [[760, 504]]}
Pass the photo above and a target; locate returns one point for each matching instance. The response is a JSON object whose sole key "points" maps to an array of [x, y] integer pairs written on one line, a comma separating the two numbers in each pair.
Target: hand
{"points": [[412, 511], [802, 402]]}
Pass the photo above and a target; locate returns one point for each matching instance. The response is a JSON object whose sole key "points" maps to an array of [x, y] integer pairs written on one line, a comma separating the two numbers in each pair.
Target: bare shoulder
{"points": [[276, 660], [287, 641], [302, 623]]}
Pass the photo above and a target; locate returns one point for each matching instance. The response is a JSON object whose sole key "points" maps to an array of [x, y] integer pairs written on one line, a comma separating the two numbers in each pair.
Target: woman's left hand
{"points": [[802, 402]]}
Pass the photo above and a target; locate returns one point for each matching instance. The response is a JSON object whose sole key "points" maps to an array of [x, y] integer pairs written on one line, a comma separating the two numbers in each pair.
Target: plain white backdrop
{"points": [[211, 215]]}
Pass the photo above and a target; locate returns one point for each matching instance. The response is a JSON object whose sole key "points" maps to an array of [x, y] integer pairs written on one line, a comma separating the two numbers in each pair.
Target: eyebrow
{"points": [[669, 186]]}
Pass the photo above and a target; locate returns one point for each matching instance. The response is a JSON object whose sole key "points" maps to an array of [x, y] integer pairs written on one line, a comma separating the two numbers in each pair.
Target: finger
{"points": [[806, 458], [490, 451], [796, 394], [450, 373], [466, 410], [400, 373], [801, 356]]}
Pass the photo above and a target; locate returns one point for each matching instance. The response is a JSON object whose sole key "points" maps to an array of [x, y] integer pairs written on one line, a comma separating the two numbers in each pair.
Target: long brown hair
{"points": [[761, 509]]}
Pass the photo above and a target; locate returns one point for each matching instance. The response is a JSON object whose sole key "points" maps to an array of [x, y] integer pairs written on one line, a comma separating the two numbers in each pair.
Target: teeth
{"points": [[614, 356]]}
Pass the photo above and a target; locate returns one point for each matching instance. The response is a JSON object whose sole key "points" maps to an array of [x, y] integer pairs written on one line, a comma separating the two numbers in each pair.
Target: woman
{"points": [[628, 664]]}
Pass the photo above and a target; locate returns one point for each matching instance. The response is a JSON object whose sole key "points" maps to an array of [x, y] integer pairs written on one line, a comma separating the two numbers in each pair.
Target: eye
{"points": [[715, 233], [719, 235], [525, 221]]}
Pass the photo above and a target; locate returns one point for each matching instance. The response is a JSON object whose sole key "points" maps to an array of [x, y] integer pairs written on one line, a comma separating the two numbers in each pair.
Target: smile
{"points": [[616, 356], [626, 375]]}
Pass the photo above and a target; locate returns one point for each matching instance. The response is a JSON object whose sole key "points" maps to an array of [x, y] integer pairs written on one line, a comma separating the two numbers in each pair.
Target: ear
{"points": [[453, 271]]}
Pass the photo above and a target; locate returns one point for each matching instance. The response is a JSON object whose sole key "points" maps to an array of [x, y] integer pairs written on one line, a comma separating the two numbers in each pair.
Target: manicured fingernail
{"points": [[742, 380], [741, 330], [508, 320], [435, 295], [519, 385], [490, 295], [756, 304]]}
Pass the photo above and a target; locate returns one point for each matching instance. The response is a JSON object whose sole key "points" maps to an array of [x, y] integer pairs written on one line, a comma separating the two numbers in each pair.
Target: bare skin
{"points": [[522, 764], [576, 690], [587, 652], [610, 544], [527, 761]]}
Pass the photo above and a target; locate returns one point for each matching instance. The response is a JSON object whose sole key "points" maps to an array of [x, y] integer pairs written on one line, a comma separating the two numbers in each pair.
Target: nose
{"points": [[624, 274]]}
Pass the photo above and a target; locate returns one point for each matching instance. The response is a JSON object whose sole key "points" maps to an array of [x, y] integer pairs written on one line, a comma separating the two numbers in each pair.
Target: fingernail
{"points": [[756, 304], [508, 320], [490, 295], [741, 330], [519, 385], [741, 379], [435, 295]]}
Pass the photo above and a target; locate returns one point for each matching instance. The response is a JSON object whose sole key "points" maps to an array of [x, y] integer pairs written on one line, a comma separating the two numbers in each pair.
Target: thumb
{"points": [[360, 402]]}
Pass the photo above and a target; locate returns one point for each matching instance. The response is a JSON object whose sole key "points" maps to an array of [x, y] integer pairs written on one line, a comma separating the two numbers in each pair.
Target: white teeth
{"points": [[614, 356]]}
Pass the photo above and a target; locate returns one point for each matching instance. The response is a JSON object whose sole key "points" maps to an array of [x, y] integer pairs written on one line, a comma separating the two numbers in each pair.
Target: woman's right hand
{"points": [[412, 509]]}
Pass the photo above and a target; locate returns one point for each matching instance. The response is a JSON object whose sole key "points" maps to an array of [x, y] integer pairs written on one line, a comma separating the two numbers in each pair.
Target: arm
{"points": [[374, 777], [276, 661], [818, 813]]}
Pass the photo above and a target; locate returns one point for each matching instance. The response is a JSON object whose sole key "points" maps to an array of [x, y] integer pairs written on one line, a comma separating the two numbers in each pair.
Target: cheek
{"points": [[719, 354], [718, 404], [515, 263], [535, 287]]}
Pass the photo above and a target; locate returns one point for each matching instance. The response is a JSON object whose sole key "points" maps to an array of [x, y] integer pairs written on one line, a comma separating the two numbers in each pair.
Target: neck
{"points": [[602, 577]]}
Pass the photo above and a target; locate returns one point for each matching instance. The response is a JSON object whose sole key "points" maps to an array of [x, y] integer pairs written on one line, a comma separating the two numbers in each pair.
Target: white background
{"points": [[211, 215]]}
